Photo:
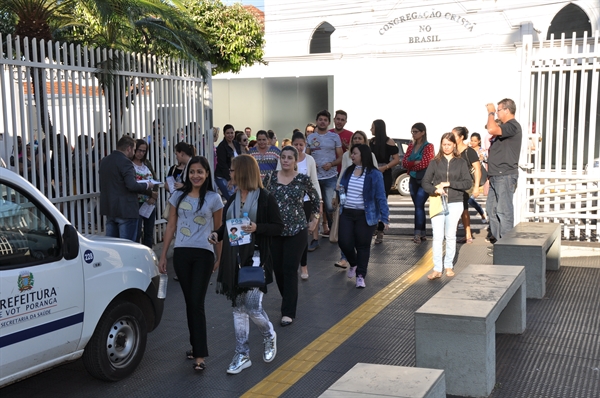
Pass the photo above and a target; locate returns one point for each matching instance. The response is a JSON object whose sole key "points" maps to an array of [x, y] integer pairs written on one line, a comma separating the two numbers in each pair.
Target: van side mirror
{"points": [[70, 242]]}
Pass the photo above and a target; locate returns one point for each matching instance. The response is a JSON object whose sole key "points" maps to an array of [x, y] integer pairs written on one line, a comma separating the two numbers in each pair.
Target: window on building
{"points": [[568, 20], [321, 39]]}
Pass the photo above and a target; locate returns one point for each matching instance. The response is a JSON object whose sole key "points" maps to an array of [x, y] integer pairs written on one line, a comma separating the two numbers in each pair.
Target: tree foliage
{"points": [[235, 37]]}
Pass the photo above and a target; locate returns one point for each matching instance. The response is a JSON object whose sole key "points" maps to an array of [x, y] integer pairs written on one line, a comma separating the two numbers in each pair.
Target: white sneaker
{"points": [[351, 273], [360, 281]]}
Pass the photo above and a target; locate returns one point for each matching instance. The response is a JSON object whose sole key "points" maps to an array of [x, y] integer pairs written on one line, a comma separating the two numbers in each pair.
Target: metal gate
{"points": [[65, 106], [560, 113]]}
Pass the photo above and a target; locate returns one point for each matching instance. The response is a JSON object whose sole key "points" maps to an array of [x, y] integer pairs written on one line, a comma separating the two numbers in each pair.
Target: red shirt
{"points": [[345, 137]]}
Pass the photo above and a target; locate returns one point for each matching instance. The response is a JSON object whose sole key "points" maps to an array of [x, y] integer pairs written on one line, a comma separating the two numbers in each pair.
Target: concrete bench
{"points": [[455, 329], [370, 380], [535, 246]]}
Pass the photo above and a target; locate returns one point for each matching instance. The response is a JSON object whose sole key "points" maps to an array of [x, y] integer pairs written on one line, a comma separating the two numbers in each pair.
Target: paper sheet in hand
{"points": [[237, 237], [146, 210]]}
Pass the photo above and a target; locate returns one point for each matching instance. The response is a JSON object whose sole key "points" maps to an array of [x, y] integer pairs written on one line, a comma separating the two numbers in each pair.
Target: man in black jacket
{"points": [[119, 191], [503, 169]]}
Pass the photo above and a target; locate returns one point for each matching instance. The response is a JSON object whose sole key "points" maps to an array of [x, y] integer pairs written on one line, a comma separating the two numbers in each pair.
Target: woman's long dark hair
{"points": [[379, 142], [366, 158], [187, 184]]}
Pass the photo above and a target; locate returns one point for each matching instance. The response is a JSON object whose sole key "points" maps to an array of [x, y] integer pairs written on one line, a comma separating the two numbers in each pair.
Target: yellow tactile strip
{"points": [[300, 364]]}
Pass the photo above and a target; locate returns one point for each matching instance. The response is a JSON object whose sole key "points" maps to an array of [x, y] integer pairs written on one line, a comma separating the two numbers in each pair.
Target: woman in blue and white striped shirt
{"points": [[365, 205]]}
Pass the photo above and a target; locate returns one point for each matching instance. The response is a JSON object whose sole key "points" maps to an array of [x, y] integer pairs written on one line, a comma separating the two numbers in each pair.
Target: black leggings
{"points": [[194, 268]]}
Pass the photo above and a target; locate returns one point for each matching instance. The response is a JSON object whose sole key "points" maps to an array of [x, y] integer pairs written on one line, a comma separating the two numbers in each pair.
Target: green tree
{"points": [[235, 37], [144, 26]]}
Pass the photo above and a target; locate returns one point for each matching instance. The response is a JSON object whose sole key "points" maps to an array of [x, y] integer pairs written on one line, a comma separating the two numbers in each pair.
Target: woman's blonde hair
{"points": [[247, 173]]}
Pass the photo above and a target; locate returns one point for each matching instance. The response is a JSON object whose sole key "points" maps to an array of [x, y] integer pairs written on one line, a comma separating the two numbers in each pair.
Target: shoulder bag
{"points": [[250, 276]]}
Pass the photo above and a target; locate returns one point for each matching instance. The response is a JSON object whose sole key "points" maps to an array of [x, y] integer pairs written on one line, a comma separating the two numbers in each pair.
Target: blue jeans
{"points": [[328, 191], [445, 227], [499, 205], [125, 228], [473, 203], [354, 238], [419, 197], [222, 184]]}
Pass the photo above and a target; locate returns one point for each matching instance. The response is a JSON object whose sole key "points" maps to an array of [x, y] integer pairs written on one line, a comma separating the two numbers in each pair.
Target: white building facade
{"points": [[436, 62]]}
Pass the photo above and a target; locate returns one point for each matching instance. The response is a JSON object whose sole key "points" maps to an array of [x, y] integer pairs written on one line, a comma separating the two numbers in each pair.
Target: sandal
{"points": [[434, 275], [464, 240], [199, 366], [449, 272], [190, 354], [417, 239]]}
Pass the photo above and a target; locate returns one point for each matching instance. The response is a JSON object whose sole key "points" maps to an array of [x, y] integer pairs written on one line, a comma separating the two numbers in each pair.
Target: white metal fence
{"points": [[68, 105], [561, 115]]}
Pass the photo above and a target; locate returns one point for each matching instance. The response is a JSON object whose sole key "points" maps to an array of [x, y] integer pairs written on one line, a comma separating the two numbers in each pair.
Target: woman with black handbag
{"points": [[416, 160], [252, 202]]}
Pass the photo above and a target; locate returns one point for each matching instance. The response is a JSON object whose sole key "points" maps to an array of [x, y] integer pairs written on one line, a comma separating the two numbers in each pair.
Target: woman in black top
{"points": [[265, 223], [228, 149], [472, 158], [386, 152]]}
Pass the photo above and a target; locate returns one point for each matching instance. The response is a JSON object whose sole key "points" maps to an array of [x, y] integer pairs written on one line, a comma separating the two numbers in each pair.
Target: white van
{"points": [[63, 295]]}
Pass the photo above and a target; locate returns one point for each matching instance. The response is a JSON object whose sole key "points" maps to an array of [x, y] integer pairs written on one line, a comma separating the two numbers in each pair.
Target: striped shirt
{"points": [[354, 195], [266, 162]]}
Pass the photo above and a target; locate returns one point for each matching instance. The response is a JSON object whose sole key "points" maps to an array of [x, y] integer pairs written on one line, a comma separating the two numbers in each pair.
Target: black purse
{"points": [[250, 277]]}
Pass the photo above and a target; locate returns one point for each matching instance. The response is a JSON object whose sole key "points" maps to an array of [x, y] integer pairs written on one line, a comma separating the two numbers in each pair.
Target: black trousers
{"points": [[354, 238], [194, 268], [286, 252]]}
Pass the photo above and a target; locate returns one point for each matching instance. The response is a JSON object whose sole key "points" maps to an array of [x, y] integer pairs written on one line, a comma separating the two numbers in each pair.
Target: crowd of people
{"points": [[268, 206]]}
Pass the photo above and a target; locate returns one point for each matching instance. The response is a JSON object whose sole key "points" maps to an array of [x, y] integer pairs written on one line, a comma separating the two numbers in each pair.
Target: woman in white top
{"points": [[358, 138], [306, 165]]}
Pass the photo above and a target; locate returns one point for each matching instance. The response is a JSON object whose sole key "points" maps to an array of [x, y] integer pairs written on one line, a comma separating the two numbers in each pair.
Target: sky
{"points": [[260, 4]]}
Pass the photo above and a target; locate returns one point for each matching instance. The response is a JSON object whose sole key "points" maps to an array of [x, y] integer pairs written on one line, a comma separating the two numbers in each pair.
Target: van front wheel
{"points": [[118, 343], [402, 185]]}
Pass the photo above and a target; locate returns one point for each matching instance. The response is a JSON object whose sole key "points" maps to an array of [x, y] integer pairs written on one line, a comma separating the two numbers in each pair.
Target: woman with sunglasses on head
{"points": [[386, 151], [364, 207], [228, 149], [195, 211], [289, 187], [416, 160], [242, 139], [448, 176], [265, 223], [144, 171]]}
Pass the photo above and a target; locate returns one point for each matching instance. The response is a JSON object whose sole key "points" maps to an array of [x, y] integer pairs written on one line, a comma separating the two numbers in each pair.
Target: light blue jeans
{"points": [[445, 227]]}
